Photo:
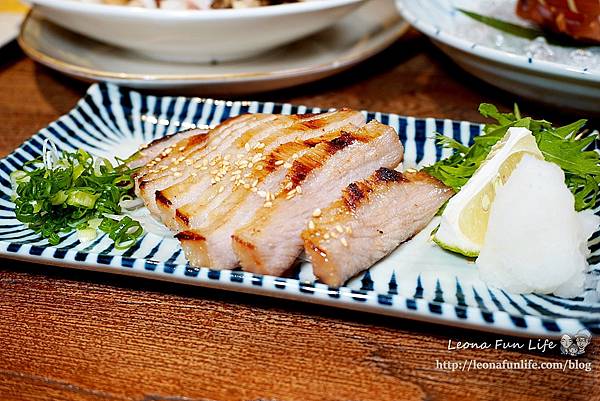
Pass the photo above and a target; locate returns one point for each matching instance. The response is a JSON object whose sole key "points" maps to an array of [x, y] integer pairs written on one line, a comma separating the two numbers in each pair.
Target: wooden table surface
{"points": [[75, 335]]}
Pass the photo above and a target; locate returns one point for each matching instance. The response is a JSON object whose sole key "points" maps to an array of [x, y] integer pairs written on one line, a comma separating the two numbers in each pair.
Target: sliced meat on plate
{"points": [[229, 167], [188, 159], [270, 241], [370, 220], [206, 238], [149, 155]]}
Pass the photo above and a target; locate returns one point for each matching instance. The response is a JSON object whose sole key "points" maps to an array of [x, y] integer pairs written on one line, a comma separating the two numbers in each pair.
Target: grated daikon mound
{"points": [[536, 242]]}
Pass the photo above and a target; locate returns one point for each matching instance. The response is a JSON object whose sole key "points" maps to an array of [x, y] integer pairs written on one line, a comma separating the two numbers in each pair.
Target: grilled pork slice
{"points": [[270, 242], [187, 150], [153, 152], [369, 221], [239, 164], [209, 243], [185, 160]]}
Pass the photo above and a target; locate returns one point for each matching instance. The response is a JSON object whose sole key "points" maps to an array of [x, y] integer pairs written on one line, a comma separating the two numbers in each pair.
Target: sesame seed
{"points": [[339, 229], [279, 162], [177, 174], [221, 189], [173, 169], [311, 224], [287, 165], [326, 236], [214, 147], [259, 167], [348, 230], [247, 146], [344, 242], [188, 162], [299, 189], [253, 189], [334, 235], [317, 213], [181, 148], [268, 204], [255, 182], [262, 194]]}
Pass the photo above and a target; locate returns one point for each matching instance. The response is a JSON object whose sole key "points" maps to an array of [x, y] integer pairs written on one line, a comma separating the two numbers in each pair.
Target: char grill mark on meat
{"points": [[215, 248], [239, 165], [369, 221], [270, 242]]}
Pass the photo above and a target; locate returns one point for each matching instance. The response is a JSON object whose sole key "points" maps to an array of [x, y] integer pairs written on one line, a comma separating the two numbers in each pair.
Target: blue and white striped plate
{"points": [[418, 281]]}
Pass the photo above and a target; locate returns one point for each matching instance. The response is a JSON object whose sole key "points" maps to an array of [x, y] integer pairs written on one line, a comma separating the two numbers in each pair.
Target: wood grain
{"points": [[77, 335]]}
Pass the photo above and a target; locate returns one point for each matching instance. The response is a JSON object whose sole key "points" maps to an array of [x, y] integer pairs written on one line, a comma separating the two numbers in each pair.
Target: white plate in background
{"points": [[370, 29], [524, 73]]}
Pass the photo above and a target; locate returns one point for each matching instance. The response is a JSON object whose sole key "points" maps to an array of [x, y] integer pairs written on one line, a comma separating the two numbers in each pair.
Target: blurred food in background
{"points": [[192, 4], [579, 19]]}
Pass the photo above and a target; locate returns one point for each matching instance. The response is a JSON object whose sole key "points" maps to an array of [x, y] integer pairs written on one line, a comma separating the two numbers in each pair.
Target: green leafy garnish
{"points": [[567, 146], [521, 31], [59, 193]]}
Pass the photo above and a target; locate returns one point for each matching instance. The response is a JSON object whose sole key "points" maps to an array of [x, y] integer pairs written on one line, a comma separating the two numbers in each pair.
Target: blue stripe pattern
{"points": [[110, 119]]}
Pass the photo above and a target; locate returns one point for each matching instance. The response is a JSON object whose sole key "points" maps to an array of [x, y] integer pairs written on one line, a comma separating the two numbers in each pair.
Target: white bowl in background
{"points": [[196, 35], [527, 75]]}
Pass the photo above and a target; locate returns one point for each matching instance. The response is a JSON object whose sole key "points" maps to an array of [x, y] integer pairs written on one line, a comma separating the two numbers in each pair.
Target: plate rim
{"points": [[399, 24], [446, 313], [496, 55]]}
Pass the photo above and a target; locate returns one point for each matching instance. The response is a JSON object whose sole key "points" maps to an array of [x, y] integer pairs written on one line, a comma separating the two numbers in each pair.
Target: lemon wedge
{"points": [[464, 222]]}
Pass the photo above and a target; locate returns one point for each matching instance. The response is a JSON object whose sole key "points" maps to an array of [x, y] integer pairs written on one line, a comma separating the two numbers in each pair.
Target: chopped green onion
{"points": [[61, 192], [87, 234], [82, 199]]}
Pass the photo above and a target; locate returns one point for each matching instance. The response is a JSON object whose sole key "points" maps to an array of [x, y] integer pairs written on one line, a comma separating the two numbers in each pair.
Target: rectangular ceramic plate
{"points": [[417, 281]]}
